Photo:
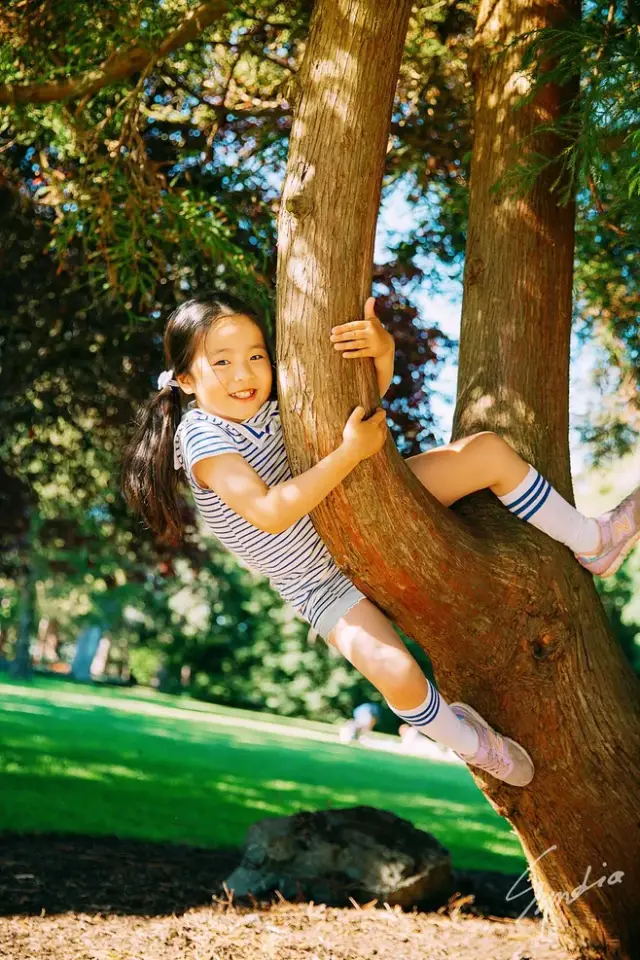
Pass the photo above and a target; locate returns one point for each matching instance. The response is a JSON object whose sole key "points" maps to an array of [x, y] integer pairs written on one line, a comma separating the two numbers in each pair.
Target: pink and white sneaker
{"points": [[620, 530], [500, 756]]}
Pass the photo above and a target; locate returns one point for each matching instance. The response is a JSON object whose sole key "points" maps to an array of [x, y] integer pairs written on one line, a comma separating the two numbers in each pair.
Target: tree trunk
{"points": [[21, 665], [511, 622], [86, 649]]}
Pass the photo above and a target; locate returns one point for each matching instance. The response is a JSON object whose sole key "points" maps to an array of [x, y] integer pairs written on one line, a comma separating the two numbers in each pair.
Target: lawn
{"points": [[136, 763]]}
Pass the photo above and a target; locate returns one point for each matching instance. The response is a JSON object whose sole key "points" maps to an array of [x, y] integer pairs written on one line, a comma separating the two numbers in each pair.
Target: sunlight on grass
{"points": [[91, 761]]}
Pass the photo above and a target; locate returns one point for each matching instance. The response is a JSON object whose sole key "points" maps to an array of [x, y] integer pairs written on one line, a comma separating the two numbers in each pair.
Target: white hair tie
{"points": [[166, 380]]}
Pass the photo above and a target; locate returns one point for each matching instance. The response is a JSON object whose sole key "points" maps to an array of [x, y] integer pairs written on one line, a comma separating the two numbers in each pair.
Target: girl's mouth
{"points": [[244, 395]]}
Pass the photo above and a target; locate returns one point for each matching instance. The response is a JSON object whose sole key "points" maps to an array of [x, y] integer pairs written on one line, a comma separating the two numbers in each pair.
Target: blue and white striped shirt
{"points": [[295, 560]]}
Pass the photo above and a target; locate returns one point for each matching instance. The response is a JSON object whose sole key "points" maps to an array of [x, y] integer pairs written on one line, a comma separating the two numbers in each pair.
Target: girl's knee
{"points": [[369, 641], [488, 447], [488, 441]]}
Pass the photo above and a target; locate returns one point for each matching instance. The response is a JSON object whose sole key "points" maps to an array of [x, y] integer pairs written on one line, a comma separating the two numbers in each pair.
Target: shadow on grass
{"points": [[94, 770]]}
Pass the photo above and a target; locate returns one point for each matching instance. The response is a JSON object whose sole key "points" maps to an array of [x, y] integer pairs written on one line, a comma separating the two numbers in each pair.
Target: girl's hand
{"points": [[363, 438], [363, 338]]}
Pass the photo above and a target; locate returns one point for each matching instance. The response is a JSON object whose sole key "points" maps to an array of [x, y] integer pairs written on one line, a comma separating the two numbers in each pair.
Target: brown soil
{"points": [[87, 898]]}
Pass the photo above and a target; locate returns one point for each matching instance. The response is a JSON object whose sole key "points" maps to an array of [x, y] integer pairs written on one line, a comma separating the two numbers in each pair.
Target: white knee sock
{"points": [[436, 720], [536, 501]]}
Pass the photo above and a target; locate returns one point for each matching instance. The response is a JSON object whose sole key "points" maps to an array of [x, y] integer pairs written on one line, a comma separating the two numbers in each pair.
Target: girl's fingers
{"points": [[359, 345], [348, 334], [352, 342], [342, 329]]}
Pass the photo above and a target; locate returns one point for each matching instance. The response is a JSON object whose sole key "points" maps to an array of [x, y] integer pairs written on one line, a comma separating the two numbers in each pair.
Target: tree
{"points": [[161, 140], [510, 620]]}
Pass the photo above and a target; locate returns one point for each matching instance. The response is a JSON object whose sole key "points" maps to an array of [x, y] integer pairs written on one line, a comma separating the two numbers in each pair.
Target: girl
{"points": [[229, 444]]}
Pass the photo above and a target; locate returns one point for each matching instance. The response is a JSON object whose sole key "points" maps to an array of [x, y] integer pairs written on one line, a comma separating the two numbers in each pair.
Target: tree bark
{"points": [[511, 622], [21, 665]]}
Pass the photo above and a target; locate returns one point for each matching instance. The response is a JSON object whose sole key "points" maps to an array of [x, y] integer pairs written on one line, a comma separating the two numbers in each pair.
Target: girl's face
{"points": [[231, 374]]}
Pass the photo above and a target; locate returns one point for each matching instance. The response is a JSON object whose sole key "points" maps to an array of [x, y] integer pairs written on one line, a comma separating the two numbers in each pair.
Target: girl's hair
{"points": [[149, 479]]}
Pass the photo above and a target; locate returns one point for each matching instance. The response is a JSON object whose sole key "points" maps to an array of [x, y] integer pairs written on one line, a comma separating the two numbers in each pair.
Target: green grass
{"points": [[140, 764]]}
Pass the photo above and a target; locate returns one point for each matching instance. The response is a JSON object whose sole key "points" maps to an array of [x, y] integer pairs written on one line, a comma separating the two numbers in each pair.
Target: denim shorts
{"points": [[329, 601]]}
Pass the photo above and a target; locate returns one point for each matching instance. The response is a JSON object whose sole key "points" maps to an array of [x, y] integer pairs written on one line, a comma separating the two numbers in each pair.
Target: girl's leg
{"points": [[367, 639], [485, 460]]}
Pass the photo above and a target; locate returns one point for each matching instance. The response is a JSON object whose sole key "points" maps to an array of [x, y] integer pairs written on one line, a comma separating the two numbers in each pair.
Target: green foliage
{"points": [[601, 489], [619, 596], [604, 48], [117, 205], [117, 225]]}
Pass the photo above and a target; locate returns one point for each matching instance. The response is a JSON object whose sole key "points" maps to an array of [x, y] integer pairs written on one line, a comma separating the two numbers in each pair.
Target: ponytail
{"points": [[149, 480]]}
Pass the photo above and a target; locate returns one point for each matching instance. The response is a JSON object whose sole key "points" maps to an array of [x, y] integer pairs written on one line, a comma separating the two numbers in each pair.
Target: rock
{"points": [[331, 855]]}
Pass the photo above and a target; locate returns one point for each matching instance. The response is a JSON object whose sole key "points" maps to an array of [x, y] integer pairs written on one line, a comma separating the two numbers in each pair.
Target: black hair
{"points": [[149, 479]]}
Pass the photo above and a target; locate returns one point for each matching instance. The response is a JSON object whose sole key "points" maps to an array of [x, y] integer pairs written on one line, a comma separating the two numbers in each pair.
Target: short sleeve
{"points": [[197, 439]]}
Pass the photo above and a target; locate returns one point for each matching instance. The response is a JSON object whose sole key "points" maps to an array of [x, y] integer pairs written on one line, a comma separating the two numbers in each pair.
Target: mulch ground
{"points": [[68, 897]]}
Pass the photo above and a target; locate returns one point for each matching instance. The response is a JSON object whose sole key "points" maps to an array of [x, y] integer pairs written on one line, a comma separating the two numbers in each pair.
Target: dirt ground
{"points": [[87, 898]]}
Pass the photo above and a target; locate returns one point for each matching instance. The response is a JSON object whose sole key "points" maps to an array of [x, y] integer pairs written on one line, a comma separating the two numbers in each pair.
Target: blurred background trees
{"points": [[142, 149]]}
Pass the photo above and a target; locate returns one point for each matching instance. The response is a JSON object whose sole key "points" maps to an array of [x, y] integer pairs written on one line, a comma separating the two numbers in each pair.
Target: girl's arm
{"points": [[384, 368], [274, 509]]}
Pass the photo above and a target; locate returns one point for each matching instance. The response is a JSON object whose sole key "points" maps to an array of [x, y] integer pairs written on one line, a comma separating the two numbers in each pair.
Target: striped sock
{"points": [[536, 501], [436, 720]]}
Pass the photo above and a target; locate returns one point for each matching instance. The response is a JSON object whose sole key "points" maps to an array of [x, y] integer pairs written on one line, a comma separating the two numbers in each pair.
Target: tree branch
{"points": [[600, 207], [117, 67]]}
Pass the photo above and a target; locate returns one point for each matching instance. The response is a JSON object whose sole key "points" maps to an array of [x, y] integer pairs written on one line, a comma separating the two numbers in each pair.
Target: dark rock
{"points": [[331, 855]]}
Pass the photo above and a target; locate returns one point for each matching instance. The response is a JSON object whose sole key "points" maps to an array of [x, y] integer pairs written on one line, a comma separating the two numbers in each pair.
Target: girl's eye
{"points": [[260, 356]]}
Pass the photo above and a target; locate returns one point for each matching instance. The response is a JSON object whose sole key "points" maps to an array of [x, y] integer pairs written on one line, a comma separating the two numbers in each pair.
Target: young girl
{"points": [[229, 444]]}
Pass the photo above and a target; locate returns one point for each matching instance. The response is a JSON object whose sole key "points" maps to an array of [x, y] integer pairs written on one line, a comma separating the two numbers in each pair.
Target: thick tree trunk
{"points": [[511, 622], [581, 698], [516, 318]]}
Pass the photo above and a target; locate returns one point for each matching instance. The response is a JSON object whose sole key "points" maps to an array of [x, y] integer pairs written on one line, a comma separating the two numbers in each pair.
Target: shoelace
{"points": [[498, 760]]}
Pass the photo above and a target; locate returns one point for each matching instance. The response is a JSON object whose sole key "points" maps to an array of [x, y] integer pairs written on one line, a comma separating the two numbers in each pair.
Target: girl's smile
{"points": [[245, 395]]}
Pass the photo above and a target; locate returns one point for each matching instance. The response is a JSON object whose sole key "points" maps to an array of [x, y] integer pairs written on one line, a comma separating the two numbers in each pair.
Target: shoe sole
{"points": [[620, 559], [521, 749]]}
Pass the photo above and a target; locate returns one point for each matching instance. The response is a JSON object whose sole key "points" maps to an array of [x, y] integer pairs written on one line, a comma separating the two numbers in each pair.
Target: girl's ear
{"points": [[185, 383]]}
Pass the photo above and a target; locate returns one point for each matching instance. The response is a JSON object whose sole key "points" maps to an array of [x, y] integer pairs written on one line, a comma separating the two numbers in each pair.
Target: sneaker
{"points": [[620, 530], [500, 756]]}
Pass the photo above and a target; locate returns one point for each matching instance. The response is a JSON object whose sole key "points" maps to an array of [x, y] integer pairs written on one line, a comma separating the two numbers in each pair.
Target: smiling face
{"points": [[231, 359]]}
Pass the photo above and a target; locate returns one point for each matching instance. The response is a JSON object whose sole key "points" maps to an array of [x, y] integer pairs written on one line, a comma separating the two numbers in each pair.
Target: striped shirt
{"points": [[295, 560]]}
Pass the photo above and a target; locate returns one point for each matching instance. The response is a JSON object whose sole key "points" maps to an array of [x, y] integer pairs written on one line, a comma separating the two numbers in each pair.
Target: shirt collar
{"points": [[264, 423]]}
